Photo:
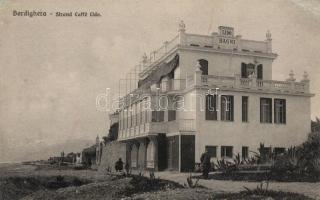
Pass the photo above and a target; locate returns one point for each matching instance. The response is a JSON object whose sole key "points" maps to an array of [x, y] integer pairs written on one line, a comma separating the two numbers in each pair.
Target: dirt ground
{"points": [[29, 182], [311, 190]]}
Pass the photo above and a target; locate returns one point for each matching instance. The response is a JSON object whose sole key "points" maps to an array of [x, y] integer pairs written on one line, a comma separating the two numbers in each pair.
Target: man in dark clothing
{"points": [[119, 165], [205, 164], [127, 168]]}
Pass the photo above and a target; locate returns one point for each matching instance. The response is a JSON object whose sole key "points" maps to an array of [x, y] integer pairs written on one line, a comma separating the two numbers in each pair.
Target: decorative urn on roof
{"points": [[182, 26]]}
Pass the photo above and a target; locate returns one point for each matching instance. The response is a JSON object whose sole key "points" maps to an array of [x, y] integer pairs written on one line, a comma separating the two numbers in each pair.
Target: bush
{"points": [[285, 164], [303, 160], [227, 167], [310, 154]]}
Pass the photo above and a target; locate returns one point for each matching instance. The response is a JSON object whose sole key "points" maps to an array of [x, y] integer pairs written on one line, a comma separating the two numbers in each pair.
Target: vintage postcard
{"points": [[148, 99]]}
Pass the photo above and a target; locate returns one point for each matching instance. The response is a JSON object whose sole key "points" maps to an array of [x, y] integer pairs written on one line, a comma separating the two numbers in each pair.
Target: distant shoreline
{"points": [[12, 162]]}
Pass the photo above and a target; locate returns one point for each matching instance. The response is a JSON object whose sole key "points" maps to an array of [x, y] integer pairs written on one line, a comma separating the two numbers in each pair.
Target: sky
{"points": [[52, 69]]}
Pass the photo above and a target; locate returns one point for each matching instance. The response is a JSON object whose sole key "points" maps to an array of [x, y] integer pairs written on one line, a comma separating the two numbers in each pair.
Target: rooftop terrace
{"points": [[224, 41]]}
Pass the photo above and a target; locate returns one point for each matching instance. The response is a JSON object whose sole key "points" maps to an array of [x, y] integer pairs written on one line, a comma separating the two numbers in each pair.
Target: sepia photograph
{"points": [[152, 100]]}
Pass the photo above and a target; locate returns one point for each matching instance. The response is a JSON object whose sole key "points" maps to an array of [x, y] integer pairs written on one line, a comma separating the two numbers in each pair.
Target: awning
{"points": [[165, 69]]}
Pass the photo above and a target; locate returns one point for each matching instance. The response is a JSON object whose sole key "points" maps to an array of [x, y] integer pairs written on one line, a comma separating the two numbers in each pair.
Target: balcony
{"points": [[154, 128], [181, 125], [254, 84]]}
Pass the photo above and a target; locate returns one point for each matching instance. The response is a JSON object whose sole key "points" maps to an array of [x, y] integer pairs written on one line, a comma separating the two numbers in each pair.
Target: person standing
{"points": [[119, 165], [205, 164]]}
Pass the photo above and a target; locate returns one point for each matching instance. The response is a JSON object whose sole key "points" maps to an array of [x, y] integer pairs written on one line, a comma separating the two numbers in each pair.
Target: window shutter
{"points": [[275, 118], [244, 70], [259, 72], [261, 120], [270, 110], [231, 109], [284, 112]]}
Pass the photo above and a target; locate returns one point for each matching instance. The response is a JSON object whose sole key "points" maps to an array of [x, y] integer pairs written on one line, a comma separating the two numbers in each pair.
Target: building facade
{"points": [[210, 92]]}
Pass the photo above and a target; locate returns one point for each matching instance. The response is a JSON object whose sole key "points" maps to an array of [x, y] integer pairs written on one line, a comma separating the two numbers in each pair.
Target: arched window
{"points": [[204, 66]]}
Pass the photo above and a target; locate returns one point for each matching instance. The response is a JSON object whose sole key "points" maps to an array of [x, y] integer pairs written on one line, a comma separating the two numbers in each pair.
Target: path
{"points": [[309, 189]]}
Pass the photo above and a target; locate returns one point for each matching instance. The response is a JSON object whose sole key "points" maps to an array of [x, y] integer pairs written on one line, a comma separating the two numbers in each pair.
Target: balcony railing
{"points": [[181, 125], [256, 46], [252, 83], [207, 41], [199, 40]]}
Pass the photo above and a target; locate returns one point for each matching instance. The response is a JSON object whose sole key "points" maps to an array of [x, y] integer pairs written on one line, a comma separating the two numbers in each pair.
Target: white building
{"points": [[174, 115]]}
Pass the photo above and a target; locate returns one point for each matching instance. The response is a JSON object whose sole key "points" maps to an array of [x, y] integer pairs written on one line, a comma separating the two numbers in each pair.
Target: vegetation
{"points": [[113, 132], [261, 190], [303, 161], [270, 194], [16, 187], [140, 184], [300, 163], [191, 183]]}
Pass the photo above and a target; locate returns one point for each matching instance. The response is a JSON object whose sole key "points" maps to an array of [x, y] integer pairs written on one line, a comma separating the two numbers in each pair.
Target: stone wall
{"points": [[111, 152]]}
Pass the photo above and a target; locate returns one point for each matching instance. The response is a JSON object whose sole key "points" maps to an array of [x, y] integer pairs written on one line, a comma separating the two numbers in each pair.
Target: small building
{"points": [[89, 155], [70, 158]]}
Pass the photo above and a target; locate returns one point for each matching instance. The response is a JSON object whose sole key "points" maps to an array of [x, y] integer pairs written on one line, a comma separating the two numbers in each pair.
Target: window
{"points": [[212, 151], [226, 151], [138, 113], [226, 108], [259, 72], [265, 110], [130, 117], [157, 116], [204, 66], [249, 69], [135, 114], [146, 113], [211, 107], [171, 115], [245, 152], [279, 111], [265, 153], [245, 101]]}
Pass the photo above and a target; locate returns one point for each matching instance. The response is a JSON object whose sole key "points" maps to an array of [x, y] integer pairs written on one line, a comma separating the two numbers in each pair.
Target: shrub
{"points": [[77, 182], [191, 183], [226, 167], [261, 190], [303, 160], [285, 163], [310, 154]]}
